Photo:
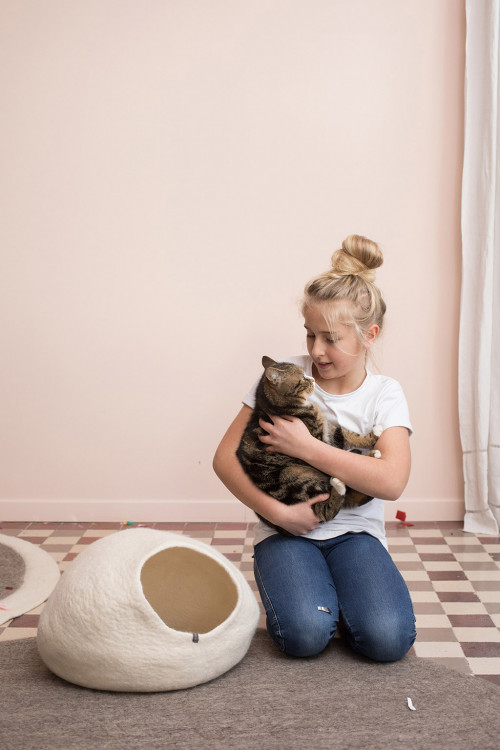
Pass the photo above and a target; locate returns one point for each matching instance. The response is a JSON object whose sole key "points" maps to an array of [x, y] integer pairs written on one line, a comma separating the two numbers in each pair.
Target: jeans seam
{"points": [[269, 607]]}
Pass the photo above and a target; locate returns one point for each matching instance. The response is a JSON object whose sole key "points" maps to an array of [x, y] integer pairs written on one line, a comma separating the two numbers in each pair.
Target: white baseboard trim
{"points": [[427, 509], [208, 511]]}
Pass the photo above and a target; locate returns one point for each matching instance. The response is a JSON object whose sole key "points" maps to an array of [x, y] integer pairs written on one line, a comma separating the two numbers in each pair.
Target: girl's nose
{"points": [[317, 349]]}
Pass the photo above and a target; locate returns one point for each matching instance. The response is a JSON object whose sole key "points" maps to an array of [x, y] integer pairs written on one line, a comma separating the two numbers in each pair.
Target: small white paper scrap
{"points": [[410, 705]]}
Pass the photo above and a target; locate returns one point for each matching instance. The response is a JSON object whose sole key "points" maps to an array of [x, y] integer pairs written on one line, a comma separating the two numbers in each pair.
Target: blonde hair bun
{"points": [[358, 256]]}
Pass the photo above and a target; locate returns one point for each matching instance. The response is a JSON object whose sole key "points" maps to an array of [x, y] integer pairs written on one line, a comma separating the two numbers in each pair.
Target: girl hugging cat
{"points": [[320, 570]]}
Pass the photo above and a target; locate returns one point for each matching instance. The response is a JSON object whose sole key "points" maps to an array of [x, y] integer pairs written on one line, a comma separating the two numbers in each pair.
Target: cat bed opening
{"points": [[188, 590], [146, 610]]}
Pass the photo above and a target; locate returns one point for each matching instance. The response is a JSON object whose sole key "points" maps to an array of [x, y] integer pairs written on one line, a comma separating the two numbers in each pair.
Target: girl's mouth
{"points": [[323, 365]]}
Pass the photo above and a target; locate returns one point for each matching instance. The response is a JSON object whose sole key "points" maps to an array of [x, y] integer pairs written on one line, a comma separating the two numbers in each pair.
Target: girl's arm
{"points": [[296, 519], [384, 477]]}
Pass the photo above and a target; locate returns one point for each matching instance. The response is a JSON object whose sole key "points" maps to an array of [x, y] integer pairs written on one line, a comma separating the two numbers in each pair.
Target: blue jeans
{"points": [[306, 584]]}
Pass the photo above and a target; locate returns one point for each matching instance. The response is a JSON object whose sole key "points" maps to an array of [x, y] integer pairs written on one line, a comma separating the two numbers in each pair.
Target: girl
{"points": [[341, 567]]}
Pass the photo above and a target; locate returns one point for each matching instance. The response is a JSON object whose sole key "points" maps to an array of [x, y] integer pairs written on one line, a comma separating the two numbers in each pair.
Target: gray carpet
{"points": [[12, 570], [28, 575], [267, 702]]}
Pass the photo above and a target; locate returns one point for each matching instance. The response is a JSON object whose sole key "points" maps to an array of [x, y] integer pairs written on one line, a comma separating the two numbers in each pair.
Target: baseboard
{"points": [[427, 509], [416, 509]]}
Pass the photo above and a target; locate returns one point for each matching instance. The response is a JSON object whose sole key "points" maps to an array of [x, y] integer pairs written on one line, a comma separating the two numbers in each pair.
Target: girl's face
{"points": [[337, 353]]}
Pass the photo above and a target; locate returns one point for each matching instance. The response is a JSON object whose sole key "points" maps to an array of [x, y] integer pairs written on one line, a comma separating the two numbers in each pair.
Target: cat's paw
{"points": [[338, 485], [376, 454], [378, 430]]}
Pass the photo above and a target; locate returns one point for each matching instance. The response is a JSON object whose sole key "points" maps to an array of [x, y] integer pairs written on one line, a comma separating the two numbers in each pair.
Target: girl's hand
{"points": [[300, 518], [287, 435]]}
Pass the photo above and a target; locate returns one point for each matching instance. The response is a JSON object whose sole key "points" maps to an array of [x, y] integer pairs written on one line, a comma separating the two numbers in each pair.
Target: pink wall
{"points": [[172, 174]]}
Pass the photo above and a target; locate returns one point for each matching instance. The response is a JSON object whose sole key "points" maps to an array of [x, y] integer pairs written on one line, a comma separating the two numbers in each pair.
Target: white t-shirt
{"points": [[378, 401]]}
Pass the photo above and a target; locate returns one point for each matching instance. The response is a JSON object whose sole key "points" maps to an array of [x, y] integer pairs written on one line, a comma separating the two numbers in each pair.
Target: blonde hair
{"points": [[351, 279]]}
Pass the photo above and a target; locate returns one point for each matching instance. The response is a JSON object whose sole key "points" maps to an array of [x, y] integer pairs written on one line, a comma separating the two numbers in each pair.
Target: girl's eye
{"points": [[333, 341]]}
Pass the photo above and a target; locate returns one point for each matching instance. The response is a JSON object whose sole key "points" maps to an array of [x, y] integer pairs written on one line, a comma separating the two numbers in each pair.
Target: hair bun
{"points": [[358, 256]]}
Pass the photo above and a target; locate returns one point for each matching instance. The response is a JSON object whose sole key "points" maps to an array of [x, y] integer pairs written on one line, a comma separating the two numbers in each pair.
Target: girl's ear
{"points": [[371, 334]]}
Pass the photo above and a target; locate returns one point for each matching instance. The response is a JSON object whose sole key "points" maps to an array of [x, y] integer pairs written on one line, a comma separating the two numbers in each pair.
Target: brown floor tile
{"points": [[428, 540], [14, 524], [164, 526], [432, 635], [437, 557], [233, 526], [77, 525], [493, 608], [198, 526], [428, 608], [55, 547], [494, 678], [481, 649], [489, 539], [487, 585], [106, 524], [221, 540], [466, 548], [25, 621], [48, 525], [457, 596], [446, 575], [420, 585], [466, 565], [471, 621]]}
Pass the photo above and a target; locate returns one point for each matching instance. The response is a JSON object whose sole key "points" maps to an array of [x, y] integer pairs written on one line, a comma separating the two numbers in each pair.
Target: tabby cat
{"points": [[284, 390]]}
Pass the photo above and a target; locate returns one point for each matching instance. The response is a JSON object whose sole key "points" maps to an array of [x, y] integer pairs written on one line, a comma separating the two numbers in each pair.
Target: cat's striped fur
{"points": [[283, 390]]}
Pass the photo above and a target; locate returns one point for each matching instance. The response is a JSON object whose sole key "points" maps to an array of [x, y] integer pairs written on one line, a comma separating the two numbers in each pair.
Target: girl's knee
{"points": [[302, 637], [385, 641]]}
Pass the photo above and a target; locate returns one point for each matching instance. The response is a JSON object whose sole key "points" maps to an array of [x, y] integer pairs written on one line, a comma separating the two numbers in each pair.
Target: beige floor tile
{"points": [[489, 596], [439, 565], [405, 557], [431, 649], [459, 586], [433, 549], [469, 539], [483, 575], [414, 575], [424, 596], [432, 621], [472, 556], [464, 608], [69, 541], [484, 665], [484, 635], [42, 533]]}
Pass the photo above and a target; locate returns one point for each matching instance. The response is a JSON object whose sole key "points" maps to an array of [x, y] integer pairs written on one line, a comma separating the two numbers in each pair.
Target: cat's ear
{"points": [[267, 362], [273, 375]]}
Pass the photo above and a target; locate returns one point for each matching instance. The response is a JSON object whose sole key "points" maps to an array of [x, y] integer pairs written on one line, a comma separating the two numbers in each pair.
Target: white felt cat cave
{"points": [[145, 610]]}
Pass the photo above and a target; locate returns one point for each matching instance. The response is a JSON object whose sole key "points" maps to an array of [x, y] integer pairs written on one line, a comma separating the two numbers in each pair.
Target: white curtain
{"points": [[479, 358]]}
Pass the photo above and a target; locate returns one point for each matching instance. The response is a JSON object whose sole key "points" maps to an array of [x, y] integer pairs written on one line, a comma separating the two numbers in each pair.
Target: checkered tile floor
{"points": [[453, 577]]}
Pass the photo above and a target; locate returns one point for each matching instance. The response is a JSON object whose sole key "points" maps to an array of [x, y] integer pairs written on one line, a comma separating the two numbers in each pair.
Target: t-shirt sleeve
{"points": [[392, 408], [249, 398]]}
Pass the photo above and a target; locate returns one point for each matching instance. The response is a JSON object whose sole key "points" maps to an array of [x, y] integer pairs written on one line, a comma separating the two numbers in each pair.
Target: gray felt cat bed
{"points": [[145, 610]]}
